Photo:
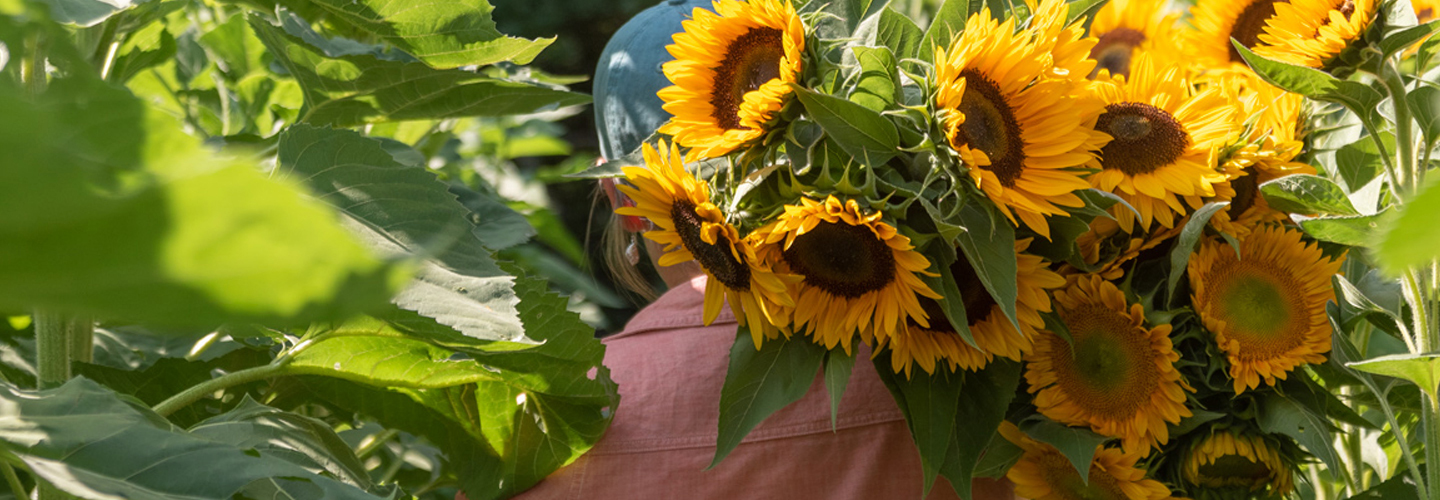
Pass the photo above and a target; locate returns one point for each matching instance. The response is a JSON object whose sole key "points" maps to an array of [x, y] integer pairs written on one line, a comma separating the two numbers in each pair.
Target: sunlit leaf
{"points": [[760, 382], [443, 34]]}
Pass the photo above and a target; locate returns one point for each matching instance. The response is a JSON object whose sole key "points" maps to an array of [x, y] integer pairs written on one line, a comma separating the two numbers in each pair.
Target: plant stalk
{"points": [[13, 480], [52, 346], [1404, 128], [33, 71], [195, 393]]}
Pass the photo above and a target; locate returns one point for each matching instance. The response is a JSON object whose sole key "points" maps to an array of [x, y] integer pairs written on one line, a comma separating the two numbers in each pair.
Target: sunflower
{"points": [[1266, 308], [1043, 473], [1113, 375], [692, 228], [1312, 32], [1164, 140], [992, 331], [1105, 239], [1226, 460], [1124, 28], [1266, 152], [1426, 10], [1217, 21], [857, 273], [731, 74], [1018, 127]]}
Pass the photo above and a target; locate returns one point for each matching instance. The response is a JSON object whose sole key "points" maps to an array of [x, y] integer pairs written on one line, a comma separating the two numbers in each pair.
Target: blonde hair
{"points": [[613, 246]]}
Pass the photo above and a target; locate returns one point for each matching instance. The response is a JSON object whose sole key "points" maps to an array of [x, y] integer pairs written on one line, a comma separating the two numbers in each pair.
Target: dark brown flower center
{"points": [[752, 60], [1146, 138], [717, 259], [1247, 187], [1235, 470], [990, 126], [1249, 25], [1114, 49], [844, 260]]}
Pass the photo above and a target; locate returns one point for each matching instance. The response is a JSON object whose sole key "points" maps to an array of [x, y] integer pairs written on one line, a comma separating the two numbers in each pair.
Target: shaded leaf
{"points": [[858, 130], [989, 244], [1424, 102], [1404, 38], [1419, 369], [838, 366], [1356, 231], [405, 211], [350, 89], [984, 397], [879, 85], [86, 12], [931, 404], [1185, 244], [91, 443], [1076, 443], [297, 439], [760, 382], [442, 34], [900, 34]]}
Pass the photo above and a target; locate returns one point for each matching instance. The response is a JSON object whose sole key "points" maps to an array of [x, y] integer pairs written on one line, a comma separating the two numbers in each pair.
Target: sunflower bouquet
{"points": [[1105, 250]]}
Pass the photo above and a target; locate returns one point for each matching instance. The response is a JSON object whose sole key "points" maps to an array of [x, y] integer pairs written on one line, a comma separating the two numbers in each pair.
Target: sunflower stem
{"points": [[1404, 128], [194, 393], [1406, 453]]}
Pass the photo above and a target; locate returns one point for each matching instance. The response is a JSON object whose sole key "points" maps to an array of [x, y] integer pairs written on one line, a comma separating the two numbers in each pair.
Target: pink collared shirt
{"points": [[670, 368]]}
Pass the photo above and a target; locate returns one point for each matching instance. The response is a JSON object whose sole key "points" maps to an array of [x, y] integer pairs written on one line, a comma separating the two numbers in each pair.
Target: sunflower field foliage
{"points": [[1128, 249]]}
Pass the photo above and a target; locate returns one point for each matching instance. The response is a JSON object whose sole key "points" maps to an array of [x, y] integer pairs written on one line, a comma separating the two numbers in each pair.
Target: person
{"points": [[670, 367]]}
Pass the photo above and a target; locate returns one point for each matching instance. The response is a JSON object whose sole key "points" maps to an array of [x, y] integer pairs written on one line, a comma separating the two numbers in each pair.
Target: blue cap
{"points": [[629, 74]]}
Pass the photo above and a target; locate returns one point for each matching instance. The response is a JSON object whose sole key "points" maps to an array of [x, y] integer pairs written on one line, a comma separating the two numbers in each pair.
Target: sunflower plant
{"points": [[1106, 250]]}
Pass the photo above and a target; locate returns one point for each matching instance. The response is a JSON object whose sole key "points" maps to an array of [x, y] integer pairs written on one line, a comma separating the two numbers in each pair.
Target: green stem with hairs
{"points": [[1404, 129], [277, 368], [52, 349]]}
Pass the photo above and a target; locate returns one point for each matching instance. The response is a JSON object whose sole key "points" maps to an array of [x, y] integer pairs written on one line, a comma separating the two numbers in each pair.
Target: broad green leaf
{"points": [[1359, 162], [1425, 104], [838, 366], [1423, 370], [442, 34], [132, 219], [549, 404], [91, 443], [1281, 414], [349, 89], [989, 244], [931, 404], [367, 352], [760, 382], [1076, 443], [1356, 303], [1357, 231], [1308, 82], [998, 458], [949, 21], [405, 211], [1085, 9], [1403, 39], [142, 50], [156, 383], [1307, 194], [1412, 239], [86, 12], [900, 34], [879, 85], [1401, 486], [236, 49], [295, 438], [984, 397], [860, 131], [1185, 244], [951, 299]]}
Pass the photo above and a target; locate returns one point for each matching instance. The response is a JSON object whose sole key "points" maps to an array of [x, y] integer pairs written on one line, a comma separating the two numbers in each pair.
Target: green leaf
{"points": [[370, 353], [1185, 244], [142, 50], [297, 439], [879, 87], [1399, 487], [1357, 231], [947, 24], [350, 89], [984, 397], [1425, 104], [761, 382], [91, 443], [86, 12], [931, 404], [1076, 443], [900, 34], [496, 224], [1412, 239], [989, 241], [1419, 369], [1359, 162], [132, 219], [1404, 38], [405, 211], [860, 131], [1307, 194], [236, 49], [442, 34], [1281, 414], [838, 365], [1308, 82], [951, 299]]}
